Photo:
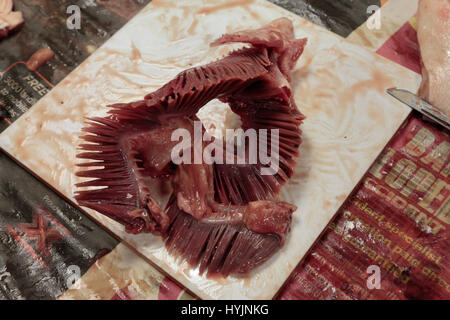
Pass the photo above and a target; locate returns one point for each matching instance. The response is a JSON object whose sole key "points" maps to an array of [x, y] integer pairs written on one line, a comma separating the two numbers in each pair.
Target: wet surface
{"points": [[32, 267]]}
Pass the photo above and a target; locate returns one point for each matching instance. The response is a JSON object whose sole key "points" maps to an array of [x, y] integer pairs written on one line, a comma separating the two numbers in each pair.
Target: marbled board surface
{"points": [[339, 86]]}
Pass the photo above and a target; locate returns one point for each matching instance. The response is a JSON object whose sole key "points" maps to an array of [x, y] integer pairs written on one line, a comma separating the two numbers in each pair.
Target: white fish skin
{"points": [[9, 22], [433, 30], [6, 6]]}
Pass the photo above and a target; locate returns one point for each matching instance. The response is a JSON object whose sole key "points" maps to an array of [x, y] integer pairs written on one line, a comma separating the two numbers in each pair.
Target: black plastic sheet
{"points": [[341, 17]]}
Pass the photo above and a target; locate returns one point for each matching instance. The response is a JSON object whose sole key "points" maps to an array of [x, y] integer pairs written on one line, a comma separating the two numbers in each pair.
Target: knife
{"points": [[428, 110]]}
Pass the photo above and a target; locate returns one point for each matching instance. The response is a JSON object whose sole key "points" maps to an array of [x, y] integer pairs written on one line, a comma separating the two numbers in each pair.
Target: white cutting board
{"points": [[338, 86]]}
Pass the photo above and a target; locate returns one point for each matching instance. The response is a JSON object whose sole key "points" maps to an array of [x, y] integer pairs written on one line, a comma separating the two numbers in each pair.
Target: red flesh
{"points": [[220, 216]]}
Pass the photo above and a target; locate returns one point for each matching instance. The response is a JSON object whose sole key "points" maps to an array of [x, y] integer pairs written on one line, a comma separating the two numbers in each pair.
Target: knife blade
{"points": [[417, 103]]}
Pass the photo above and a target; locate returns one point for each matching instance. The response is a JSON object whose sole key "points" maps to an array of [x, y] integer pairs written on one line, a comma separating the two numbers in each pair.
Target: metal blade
{"points": [[415, 102]]}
